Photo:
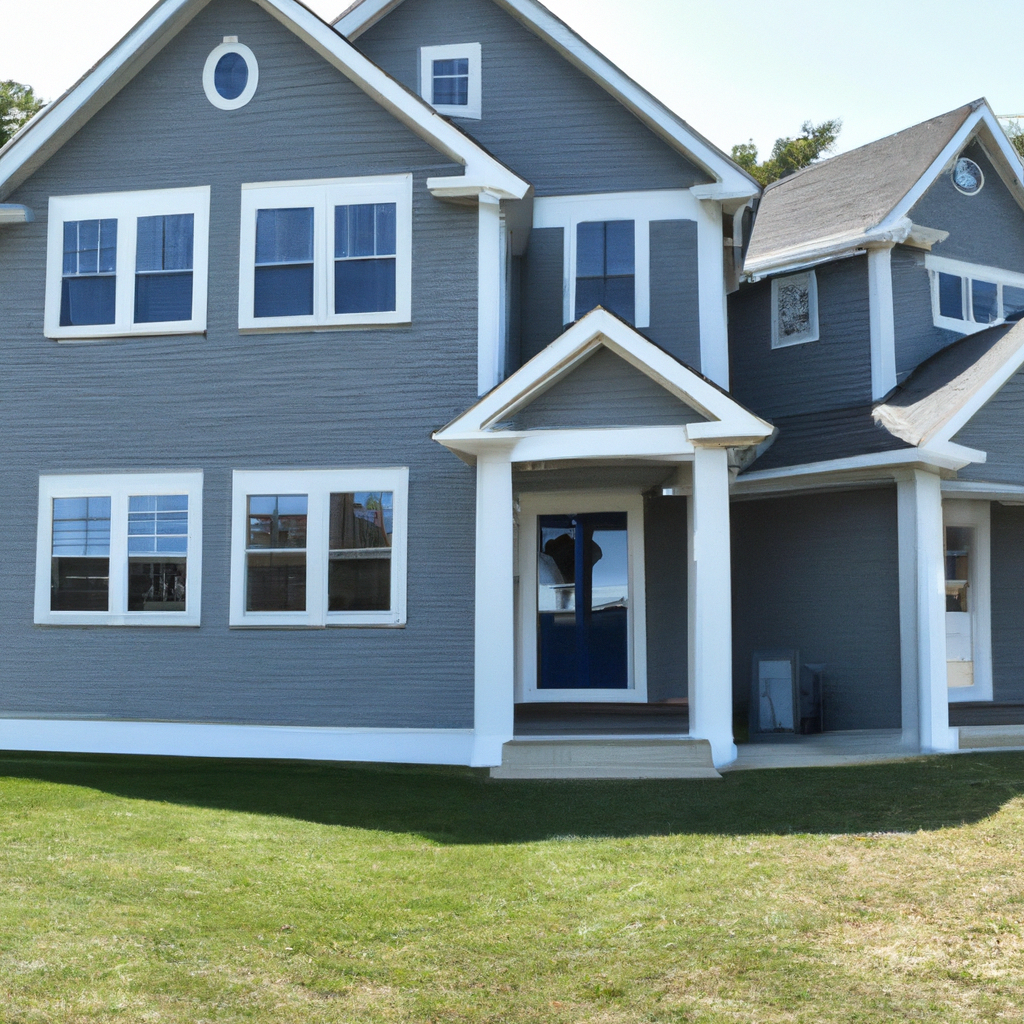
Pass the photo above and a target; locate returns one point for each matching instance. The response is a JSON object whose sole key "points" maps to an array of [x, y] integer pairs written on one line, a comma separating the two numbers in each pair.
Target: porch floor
{"points": [[823, 750], [602, 719]]}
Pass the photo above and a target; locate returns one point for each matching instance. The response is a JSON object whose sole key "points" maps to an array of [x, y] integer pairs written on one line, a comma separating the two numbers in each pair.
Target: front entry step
{"points": [[599, 757]]}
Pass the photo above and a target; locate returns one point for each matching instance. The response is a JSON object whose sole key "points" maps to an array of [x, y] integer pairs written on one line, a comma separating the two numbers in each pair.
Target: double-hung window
{"points": [[606, 267], [968, 298], [315, 548], [332, 253], [120, 549], [127, 263], [450, 79]]}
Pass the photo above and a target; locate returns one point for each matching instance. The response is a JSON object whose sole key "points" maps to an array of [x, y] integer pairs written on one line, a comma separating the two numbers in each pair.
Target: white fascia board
{"points": [[983, 490], [731, 178], [15, 213]]}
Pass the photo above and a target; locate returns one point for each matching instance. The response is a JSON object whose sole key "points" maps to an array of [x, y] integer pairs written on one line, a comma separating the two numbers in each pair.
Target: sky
{"points": [[735, 71]]}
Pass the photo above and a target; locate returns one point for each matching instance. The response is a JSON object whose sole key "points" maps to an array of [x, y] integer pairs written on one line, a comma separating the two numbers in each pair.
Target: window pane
{"points": [[165, 243], [277, 521], [156, 526], [231, 75], [283, 291], [362, 520], [458, 66], [620, 297], [276, 582], [589, 293], [590, 249], [619, 247], [367, 229], [387, 216], [163, 298], [1013, 302], [79, 584], [87, 300], [364, 286], [90, 246], [984, 302], [451, 82], [156, 586], [284, 236], [951, 299], [359, 584], [81, 527]]}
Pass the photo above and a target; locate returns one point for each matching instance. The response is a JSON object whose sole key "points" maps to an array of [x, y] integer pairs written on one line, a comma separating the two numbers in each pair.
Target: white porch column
{"points": [[925, 698], [494, 635], [710, 605]]}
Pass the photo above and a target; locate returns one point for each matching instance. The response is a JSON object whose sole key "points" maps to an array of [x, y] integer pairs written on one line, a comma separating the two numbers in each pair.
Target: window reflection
{"points": [[276, 553], [359, 566]]}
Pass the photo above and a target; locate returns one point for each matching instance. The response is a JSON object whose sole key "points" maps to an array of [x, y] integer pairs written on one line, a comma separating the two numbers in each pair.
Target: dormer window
{"points": [[968, 298], [450, 79], [606, 267], [794, 309]]}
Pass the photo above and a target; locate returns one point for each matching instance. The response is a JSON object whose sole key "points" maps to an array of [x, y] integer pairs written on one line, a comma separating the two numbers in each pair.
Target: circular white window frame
{"points": [[211, 67], [981, 176]]}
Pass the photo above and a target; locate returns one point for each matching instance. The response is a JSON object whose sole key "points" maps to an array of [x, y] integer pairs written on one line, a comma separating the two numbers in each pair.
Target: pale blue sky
{"points": [[738, 70]]}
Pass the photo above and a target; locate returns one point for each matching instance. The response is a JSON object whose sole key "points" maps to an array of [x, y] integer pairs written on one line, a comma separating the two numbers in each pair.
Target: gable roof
{"points": [[838, 205], [731, 181], [489, 421], [57, 122]]}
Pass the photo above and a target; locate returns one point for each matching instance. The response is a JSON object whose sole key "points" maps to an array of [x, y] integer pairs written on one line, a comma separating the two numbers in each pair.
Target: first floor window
{"points": [[127, 263], [328, 253], [794, 309], [319, 547], [119, 549], [606, 267]]}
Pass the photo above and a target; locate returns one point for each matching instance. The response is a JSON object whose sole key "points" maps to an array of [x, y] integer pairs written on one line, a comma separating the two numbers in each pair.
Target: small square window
{"points": [[794, 309], [450, 79]]}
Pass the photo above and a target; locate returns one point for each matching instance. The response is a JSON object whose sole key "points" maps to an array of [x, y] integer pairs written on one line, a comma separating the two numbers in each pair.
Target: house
{"points": [[387, 391]]}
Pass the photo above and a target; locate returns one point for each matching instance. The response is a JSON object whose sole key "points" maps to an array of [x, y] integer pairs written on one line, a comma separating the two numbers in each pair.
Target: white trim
{"points": [[323, 196], [54, 125], [968, 273], [209, 72], [882, 322], [732, 180], [561, 503], [119, 487], [204, 739], [811, 334], [15, 213], [473, 110], [318, 485], [126, 208], [984, 491], [976, 515], [489, 306], [712, 300]]}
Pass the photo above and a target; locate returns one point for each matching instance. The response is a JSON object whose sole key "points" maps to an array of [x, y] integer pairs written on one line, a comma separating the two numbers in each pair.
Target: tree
{"points": [[18, 103], [1015, 133], [789, 155]]}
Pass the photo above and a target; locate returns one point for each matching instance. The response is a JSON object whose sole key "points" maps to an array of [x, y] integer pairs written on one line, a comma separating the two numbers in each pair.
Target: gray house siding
{"points": [[998, 429], [541, 308], [231, 401], [1007, 604], [675, 302], [544, 118], [666, 568], [831, 373], [819, 574], [916, 336]]}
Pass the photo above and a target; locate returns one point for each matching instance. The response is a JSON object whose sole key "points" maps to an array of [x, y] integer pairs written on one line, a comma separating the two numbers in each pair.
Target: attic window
{"points": [[968, 298], [450, 79], [967, 177], [231, 75], [794, 309]]}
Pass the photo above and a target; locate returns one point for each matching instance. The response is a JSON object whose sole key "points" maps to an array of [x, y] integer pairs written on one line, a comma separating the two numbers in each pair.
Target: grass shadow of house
{"points": [[463, 806]]}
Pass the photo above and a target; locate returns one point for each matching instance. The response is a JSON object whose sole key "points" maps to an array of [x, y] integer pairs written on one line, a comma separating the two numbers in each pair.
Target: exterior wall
{"points": [[225, 401], [544, 118], [665, 533], [819, 573], [675, 297], [605, 392], [1007, 603], [831, 373], [541, 292], [916, 336], [996, 429]]}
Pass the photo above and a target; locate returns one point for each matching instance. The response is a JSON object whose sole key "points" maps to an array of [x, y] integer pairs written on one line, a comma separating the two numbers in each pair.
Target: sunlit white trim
{"points": [[119, 487], [126, 208], [453, 51], [489, 307], [712, 301], [567, 502], [318, 485], [882, 322], [15, 213], [209, 75]]}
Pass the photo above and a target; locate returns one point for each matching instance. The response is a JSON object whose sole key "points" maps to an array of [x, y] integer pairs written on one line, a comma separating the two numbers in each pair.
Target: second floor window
{"points": [[968, 298], [606, 267]]}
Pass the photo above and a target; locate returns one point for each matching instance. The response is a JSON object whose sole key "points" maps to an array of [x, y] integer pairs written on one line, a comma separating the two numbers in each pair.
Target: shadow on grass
{"points": [[456, 805]]}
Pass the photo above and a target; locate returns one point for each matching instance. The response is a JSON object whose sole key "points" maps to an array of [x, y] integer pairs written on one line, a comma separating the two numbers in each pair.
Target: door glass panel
{"points": [[959, 602], [583, 601]]}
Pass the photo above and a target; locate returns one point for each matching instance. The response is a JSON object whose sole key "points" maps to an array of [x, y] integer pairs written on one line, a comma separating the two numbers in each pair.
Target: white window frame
{"points": [[127, 208], [230, 45], [813, 332], [967, 272], [567, 212], [323, 195], [531, 507], [319, 485], [119, 487], [473, 52]]}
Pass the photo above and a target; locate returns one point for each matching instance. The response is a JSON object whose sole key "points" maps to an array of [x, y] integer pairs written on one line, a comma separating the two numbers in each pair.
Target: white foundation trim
{"points": [[882, 322], [188, 739]]}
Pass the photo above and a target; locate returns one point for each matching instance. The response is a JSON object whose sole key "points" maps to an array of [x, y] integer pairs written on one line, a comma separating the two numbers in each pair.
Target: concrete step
{"points": [[602, 757], [985, 737]]}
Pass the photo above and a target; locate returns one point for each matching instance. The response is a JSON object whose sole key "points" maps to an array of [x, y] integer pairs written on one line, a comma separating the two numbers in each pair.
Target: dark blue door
{"points": [[583, 602]]}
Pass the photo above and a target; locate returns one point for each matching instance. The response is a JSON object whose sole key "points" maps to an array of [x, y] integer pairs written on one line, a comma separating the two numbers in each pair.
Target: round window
{"points": [[231, 75], [967, 177]]}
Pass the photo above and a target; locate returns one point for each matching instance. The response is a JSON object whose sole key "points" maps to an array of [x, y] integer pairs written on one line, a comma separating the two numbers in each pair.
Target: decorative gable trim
{"points": [[54, 125], [731, 181], [727, 423]]}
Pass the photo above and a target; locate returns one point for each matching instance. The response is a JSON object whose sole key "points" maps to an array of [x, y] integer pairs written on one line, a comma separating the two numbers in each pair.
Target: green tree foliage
{"points": [[1015, 133], [17, 104], [789, 155]]}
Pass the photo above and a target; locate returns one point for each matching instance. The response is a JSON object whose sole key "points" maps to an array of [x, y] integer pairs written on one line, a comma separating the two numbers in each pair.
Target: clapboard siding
{"points": [[916, 336], [665, 538], [605, 391], [1007, 603], [831, 373], [547, 120], [998, 429], [675, 302], [541, 307], [225, 401], [819, 574]]}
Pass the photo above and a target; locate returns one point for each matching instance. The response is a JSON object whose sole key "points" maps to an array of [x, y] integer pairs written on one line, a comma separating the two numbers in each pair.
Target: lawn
{"points": [[147, 889]]}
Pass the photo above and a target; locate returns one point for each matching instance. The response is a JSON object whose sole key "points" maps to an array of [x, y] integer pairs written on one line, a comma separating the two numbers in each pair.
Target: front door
{"points": [[583, 601]]}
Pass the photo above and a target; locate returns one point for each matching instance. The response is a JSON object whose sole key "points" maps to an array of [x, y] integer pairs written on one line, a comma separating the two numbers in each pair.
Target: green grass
{"points": [[145, 889]]}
